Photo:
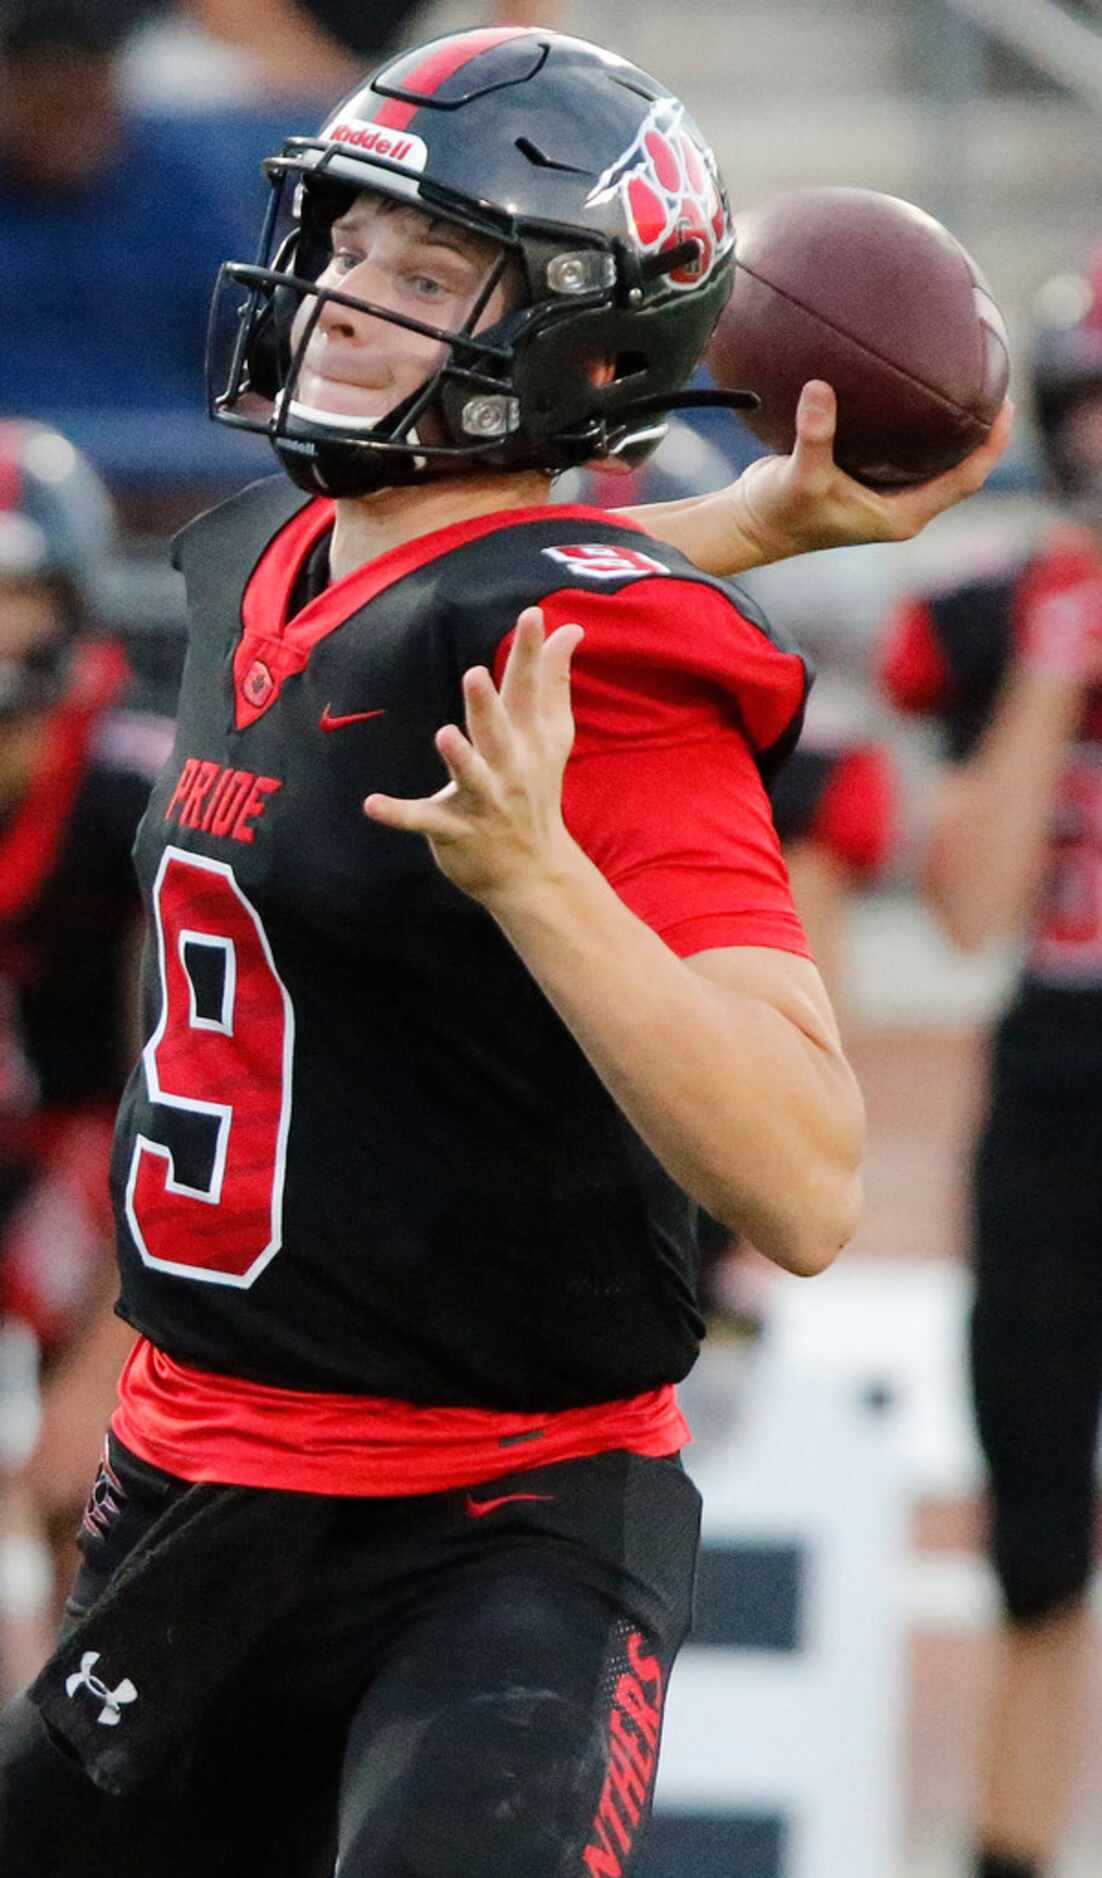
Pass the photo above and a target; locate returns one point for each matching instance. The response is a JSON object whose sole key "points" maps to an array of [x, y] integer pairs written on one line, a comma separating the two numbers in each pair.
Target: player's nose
{"points": [[347, 322]]}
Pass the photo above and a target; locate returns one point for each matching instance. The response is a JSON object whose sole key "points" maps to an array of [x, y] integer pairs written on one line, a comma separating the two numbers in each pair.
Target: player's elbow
{"points": [[822, 1198], [804, 1221], [810, 1238]]}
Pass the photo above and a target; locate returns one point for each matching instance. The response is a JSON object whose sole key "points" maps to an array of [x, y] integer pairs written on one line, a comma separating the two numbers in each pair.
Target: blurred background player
{"points": [[75, 771], [1011, 665]]}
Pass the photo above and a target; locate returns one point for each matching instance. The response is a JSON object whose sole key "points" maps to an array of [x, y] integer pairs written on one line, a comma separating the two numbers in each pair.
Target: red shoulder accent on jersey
{"points": [[912, 668], [671, 698], [664, 654], [856, 816], [273, 646], [33, 837]]}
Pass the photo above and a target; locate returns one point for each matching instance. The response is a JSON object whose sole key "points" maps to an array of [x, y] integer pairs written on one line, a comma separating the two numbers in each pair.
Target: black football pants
{"points": [[1036, 1342], [470, 1686]]}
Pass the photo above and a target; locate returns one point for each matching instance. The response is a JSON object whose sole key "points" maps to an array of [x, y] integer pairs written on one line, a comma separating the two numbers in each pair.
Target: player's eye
{"points": [[428, 286], [345, 259]]}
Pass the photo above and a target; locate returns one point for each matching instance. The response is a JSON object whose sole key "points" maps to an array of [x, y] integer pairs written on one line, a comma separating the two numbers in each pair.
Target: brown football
{"points": [[873, 295]]}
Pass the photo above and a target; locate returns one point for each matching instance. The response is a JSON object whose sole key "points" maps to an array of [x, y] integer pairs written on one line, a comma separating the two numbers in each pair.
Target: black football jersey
{"points": [[361, 1152], [948, 657]]}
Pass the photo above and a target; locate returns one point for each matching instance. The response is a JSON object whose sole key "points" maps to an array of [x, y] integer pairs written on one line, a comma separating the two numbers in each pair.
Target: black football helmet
{"points": [[1066, 362], [56, 527], [607, 216]]}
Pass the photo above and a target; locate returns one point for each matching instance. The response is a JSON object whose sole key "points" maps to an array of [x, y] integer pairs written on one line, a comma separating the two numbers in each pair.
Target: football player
{"points": [[75, 772], [467, 981], [1010, 663]]}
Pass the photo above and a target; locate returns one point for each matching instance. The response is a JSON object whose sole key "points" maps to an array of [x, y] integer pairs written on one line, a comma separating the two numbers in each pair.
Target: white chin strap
{"points": [[331, 420], [312, 414]]}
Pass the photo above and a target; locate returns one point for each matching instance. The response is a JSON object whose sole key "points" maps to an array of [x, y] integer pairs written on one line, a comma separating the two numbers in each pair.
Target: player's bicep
{"points": [[684, 833]]}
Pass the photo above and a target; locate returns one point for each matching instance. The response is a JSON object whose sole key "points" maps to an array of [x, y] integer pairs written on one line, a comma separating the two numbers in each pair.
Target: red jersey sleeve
{"points": [[912, 668], [673, 693], [857, 813]]}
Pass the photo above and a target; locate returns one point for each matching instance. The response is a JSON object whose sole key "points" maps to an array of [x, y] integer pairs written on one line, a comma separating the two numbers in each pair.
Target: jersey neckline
{"points": [[273, 646], [268, 593]]}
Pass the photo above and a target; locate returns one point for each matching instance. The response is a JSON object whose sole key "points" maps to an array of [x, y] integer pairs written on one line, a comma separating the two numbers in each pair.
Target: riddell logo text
{"points": [[411, 152], [220, 801], [633, 1730]]}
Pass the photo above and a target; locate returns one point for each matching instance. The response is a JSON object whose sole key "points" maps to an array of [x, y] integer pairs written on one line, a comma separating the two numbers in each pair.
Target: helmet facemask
{"points": [[450, 414]]}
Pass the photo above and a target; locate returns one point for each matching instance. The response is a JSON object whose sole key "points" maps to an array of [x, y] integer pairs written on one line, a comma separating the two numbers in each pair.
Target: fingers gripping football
{"points": [[497, 823], [796, 503]]}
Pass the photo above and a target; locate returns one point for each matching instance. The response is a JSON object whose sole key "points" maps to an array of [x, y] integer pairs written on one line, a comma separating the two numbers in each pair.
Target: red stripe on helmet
{"points": [[438, 67]]}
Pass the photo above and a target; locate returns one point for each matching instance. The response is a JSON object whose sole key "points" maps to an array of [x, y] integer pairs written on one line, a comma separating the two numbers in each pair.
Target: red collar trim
{"points": [[273, 647]]}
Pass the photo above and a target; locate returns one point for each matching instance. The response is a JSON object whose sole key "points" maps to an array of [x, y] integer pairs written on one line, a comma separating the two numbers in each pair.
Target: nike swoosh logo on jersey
{"points": [[329, 720], [476, 1508]]}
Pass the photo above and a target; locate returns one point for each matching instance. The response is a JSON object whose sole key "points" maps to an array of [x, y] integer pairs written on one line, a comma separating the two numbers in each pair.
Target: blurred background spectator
{"points": [[325, 45], [131, 138], [112, 228]]}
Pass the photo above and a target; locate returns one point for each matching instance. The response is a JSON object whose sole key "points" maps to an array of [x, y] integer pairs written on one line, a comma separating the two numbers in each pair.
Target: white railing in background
{"points": [[1066, 49]]}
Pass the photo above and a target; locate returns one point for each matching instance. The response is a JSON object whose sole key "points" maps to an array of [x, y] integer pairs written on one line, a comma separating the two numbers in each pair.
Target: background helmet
{"points": [[56, 526], [1066, 361], [602, 200]]}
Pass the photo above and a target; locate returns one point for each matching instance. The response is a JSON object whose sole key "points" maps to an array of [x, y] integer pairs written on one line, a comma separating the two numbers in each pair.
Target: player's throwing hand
{"points": [[785, 505], [497, 825], [795, 504]]}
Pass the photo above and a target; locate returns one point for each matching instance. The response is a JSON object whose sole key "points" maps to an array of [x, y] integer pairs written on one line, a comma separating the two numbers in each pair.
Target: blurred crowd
{"points": [[131, 136]]}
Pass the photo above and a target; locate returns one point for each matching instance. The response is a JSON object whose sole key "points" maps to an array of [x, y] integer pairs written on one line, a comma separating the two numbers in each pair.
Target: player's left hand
{"points": [[497, 824], [786, 505]]}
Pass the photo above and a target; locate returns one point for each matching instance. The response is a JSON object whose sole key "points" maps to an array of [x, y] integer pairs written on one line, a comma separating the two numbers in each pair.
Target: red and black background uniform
{"points": [[1037, 1199], [837, 795], [363, 1164], [69, 904]]}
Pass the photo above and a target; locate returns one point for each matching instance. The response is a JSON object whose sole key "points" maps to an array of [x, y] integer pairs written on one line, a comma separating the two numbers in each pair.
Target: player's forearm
{"points": [[987, 848], [754, 1112], [706, 529], [785, 505]]}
